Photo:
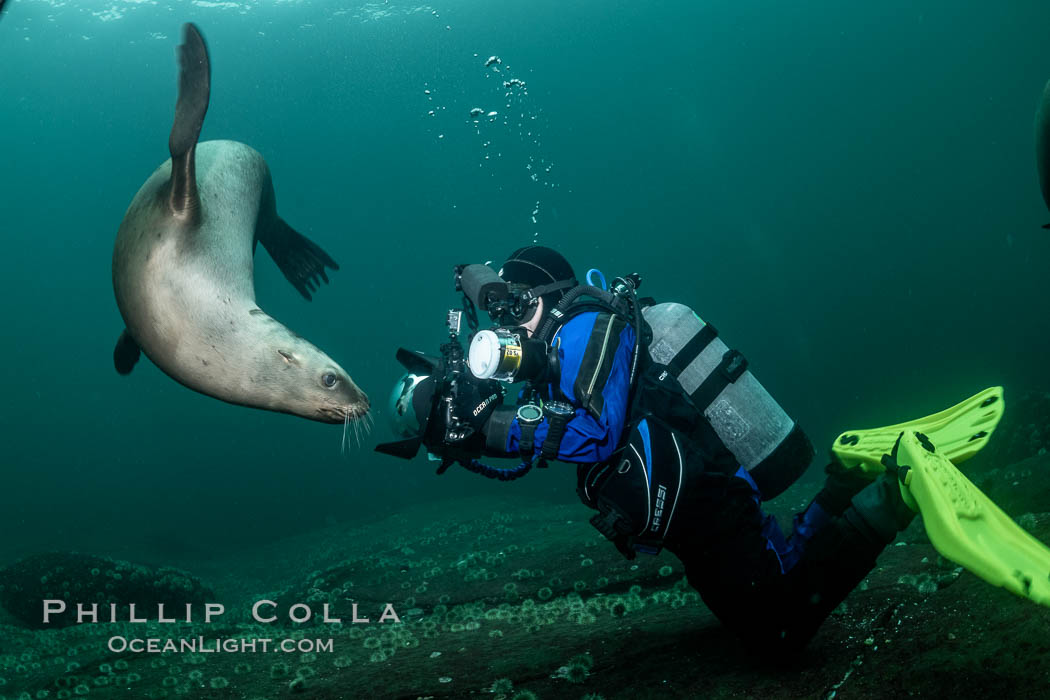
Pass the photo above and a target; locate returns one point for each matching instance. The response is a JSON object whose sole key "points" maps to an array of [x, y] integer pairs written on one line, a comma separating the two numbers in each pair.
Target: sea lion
{"points": [[183, 272], [1042, 145]]}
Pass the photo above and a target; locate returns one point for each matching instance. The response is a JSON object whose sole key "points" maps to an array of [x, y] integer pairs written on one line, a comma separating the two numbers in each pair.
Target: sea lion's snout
{"points": [[358, 404], [344, 401]]}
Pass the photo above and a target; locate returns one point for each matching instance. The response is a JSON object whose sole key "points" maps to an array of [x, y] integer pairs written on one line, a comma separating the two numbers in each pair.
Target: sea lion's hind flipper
{"points": [[301, 260], [192, 104], [126, 354]]}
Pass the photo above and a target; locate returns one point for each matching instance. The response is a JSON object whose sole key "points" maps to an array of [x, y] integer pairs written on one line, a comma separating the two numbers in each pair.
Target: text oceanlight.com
{"points": [[229, 645]]}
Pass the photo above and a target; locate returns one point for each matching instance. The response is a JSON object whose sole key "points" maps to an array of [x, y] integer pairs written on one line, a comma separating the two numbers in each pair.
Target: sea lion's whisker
{"points": [[361, 422], [346, 424]]}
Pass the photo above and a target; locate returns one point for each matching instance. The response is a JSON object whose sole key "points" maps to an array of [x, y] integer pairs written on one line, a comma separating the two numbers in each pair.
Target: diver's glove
{"points": [[453, 445], [475, 399], [456, 430]]}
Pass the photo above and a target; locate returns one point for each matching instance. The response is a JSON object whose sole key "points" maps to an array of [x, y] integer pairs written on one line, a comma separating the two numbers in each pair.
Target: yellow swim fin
{"points": [[959, 433], [965, 526]]}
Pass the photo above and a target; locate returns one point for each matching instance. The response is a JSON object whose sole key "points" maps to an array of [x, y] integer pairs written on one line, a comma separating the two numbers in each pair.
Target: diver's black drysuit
{"points": [[740, 577], [659, 476]]}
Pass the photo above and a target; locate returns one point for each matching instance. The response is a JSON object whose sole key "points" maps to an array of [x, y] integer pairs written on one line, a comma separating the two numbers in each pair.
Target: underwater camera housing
{"points": [[442, 424], [505, 353]]}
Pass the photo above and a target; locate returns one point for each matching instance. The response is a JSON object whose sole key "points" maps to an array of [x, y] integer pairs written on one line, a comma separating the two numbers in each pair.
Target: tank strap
{"points": [[731, 368], [690, 350]]}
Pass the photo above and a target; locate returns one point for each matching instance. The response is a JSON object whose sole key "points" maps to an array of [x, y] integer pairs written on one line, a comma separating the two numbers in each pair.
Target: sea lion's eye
{"points": [[329, 379]]}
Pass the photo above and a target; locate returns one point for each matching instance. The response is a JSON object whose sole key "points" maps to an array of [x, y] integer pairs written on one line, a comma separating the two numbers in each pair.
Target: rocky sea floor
{"points": [[509, 600]]}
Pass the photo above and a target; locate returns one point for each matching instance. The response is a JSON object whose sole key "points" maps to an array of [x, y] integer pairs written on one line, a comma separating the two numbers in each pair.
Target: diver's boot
{"points": [[878, 510]]}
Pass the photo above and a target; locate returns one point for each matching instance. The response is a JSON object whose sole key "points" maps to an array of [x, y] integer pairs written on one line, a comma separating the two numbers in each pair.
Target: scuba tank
{"points": [[763, 438]]}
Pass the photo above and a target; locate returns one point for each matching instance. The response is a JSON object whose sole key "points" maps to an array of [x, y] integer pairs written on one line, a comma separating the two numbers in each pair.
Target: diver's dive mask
{"points": [[507, 303]]}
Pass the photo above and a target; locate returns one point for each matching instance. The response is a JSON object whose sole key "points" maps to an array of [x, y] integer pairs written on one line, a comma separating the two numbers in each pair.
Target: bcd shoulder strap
{"points": [[597, 363]]}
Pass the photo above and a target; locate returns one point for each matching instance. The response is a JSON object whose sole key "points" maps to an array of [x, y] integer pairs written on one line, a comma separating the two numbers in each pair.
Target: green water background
{"points": [[847, 191]]}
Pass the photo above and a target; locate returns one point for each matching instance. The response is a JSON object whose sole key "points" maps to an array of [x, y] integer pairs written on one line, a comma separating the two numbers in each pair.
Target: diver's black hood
{"points": [[536, 266]]}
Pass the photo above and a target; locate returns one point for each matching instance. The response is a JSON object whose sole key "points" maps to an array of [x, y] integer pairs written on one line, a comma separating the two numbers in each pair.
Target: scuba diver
{"points": [[676, 443]]}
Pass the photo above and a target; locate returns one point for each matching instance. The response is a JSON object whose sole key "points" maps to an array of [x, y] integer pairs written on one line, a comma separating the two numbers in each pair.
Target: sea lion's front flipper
{"points": [[126, 354], [301, 260], [192, 104]]}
